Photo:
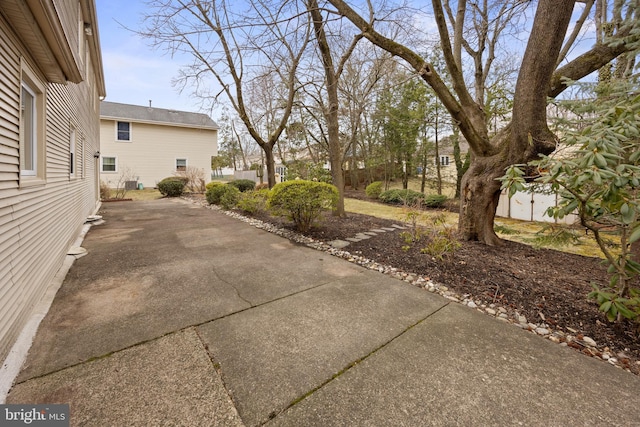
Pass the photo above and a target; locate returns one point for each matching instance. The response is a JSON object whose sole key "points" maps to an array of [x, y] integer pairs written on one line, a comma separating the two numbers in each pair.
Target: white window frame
{"points": [[444, 160], [32, 134], [115, 159], [186, 164], [118, 131], [33, 87], [80, 165]]}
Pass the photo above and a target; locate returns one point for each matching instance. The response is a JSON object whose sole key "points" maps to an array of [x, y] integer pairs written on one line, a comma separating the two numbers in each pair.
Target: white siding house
{"points": [[51, 80], [153, 143]]}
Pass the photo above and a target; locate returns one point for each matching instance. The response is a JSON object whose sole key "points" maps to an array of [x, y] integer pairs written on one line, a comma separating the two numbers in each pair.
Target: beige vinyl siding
{"points": [[9, 114], [39, 223], [152, 152]]}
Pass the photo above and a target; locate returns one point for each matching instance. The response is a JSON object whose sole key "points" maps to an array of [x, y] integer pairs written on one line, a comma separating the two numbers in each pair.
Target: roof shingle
{"points": [[134, 113]]}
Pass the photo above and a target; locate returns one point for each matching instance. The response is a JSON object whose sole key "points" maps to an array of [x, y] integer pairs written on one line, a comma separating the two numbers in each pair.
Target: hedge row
{"points": [[299, 200]]}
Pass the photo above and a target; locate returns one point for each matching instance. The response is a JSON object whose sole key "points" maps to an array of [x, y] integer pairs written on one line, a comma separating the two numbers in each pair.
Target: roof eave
{"points": [[155, 122]]}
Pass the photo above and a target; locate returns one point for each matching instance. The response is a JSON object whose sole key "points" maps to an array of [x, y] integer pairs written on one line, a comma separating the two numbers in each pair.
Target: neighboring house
{"points": [[149, 144], [51, 82]]}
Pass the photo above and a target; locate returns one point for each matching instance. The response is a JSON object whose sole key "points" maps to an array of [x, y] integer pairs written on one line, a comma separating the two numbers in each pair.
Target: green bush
{"points": [[213, 184], [402, 197], [172, 186], [243, 184], [253, 201], [229, 197], [435, 200], [302, 201], [374, 189], [224, 195], [214, 193]]}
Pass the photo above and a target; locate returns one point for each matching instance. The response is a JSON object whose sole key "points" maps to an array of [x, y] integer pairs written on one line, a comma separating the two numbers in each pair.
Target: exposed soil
{"points": [[546, 286]]}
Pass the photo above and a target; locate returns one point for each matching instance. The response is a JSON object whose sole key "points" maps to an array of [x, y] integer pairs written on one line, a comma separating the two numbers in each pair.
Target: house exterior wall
{"points": [[153, 149], [41, 217]]}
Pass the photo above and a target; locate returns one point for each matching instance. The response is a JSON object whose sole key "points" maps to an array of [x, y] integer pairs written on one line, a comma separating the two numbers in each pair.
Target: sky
{"points": [[134, 72]]}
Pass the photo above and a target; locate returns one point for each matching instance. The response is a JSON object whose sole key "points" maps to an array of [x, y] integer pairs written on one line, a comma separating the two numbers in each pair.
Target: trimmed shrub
{"points": [[243, 184], [402, 197], [435, 200], [172, 186], [214, 193], [302, 201], [374, 189], [253, 201], [229, 197], [224, 195], [213, 184]]}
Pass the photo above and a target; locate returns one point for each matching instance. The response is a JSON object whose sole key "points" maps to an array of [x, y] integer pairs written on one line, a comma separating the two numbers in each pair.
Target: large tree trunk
{"points": [[271, 164], [478, 202], [331, 113], [528, 134], [480, 192]]}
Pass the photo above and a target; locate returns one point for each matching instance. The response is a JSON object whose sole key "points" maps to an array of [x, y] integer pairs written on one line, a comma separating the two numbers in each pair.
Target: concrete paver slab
{"points": [[115, 312], [460, 367], [362, 236], [169, 381], [276, 353], [126, 339], [339, 244], [260, 278], [153, 271]]}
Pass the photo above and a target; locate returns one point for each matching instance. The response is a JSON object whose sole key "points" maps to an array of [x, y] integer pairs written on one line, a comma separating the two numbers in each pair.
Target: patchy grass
{"points": [[525, 232], [448, 188], [146, 194]]}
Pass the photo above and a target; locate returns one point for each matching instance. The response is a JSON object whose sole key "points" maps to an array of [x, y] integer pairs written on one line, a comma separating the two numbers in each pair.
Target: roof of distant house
{"points": [[138, 113]]}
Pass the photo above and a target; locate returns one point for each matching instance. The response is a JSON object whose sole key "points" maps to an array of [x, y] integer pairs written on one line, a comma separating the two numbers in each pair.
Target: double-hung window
{"points": [[29, 132], [109, 164], [181, 165], [32, 119], [123, 131]]}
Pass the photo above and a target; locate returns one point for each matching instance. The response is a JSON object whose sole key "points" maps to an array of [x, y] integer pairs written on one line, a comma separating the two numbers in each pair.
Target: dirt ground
{"points": [[546, 286]]}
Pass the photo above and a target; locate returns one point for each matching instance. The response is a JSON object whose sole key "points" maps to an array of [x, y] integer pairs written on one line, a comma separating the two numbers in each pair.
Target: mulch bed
{"points": [[546, 286]]}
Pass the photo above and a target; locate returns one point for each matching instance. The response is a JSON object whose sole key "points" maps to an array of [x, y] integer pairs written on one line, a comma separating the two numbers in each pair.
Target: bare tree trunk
{"points": [[331, 113], [528, 135], [437, 148], [353, 164], [271, 165], [245, 166], [424, 162], [461, 165], [405, 174], [479, 195]]}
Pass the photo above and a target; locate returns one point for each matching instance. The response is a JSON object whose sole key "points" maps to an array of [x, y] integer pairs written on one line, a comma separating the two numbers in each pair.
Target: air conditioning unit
{"points": [[131, 185]]}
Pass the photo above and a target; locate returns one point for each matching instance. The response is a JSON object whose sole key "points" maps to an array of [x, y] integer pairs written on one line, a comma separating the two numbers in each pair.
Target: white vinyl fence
{"points": [[529, 206]]}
